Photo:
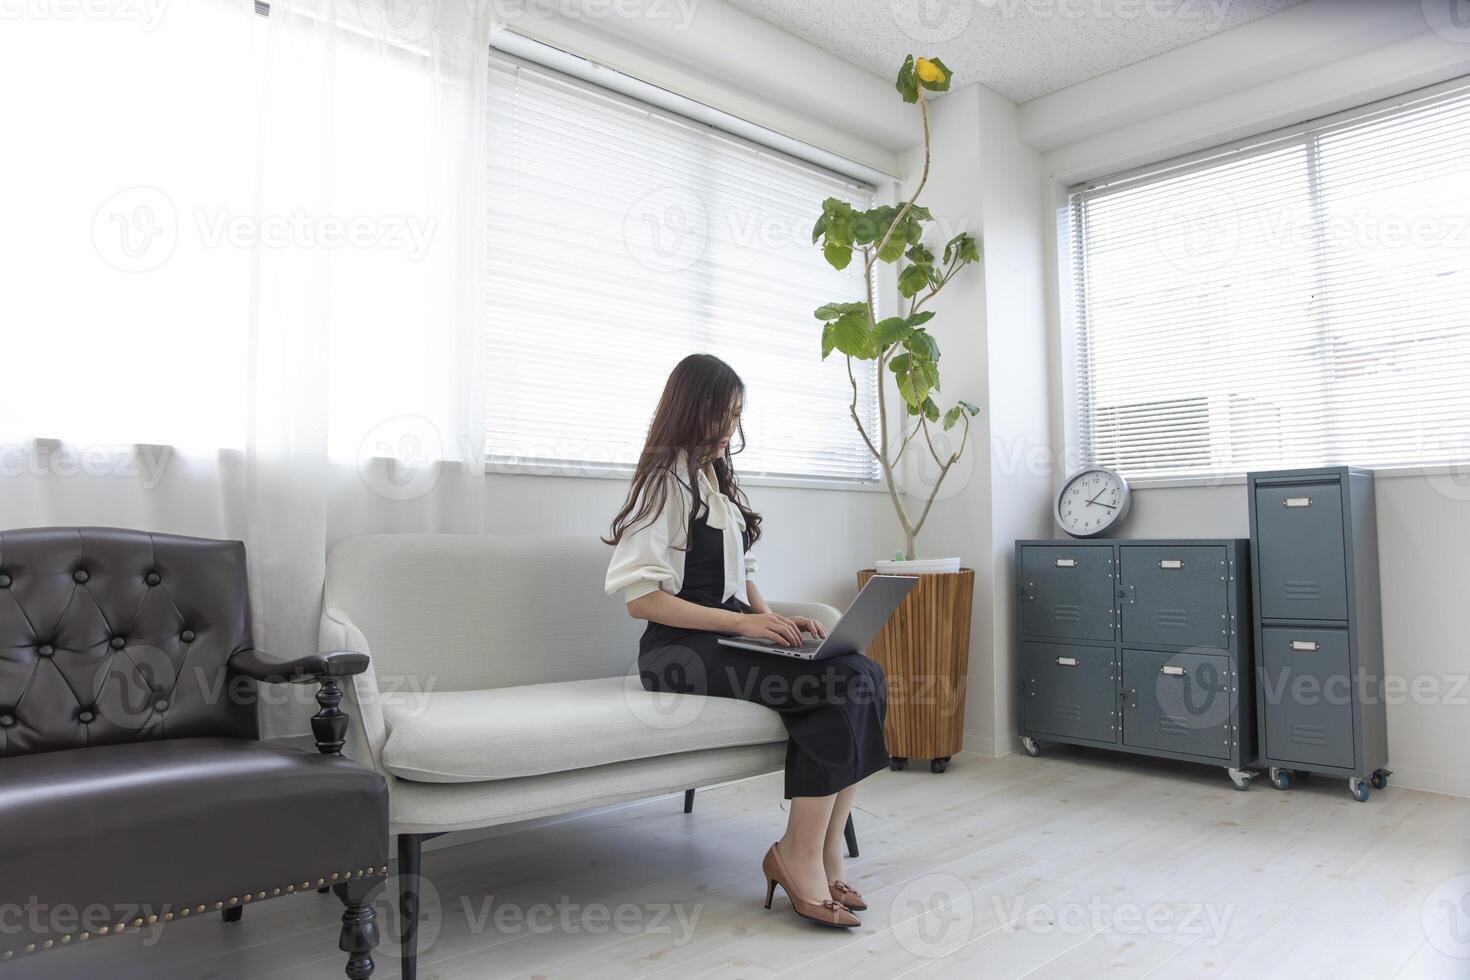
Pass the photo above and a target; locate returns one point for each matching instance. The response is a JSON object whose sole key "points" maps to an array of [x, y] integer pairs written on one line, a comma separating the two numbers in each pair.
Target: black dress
{"points": [[833, 709]]}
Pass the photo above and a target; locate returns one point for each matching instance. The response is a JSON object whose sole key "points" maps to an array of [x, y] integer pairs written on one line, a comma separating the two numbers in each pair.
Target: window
{"points": [[1299, 299], [623, 237]]}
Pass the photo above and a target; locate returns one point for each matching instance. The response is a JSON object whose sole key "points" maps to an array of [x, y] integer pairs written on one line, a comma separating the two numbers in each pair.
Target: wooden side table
{"points": [[924, 650]]}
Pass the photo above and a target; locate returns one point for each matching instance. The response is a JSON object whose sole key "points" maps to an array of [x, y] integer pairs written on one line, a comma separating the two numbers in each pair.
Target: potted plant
{"points": [[925, 647]]}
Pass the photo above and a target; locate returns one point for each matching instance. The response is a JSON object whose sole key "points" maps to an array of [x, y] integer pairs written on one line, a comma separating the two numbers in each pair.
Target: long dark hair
{"points": [[701, 398]]}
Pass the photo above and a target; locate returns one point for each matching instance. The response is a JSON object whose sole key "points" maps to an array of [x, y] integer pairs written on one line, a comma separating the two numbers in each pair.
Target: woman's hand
{"points": [[769, 626], [809, 626]]}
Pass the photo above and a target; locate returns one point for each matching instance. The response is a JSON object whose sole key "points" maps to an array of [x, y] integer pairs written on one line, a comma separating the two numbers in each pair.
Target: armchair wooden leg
{"points": [[410, 855], [689, 801], [359, 926], [233, 914], [850, 832]]}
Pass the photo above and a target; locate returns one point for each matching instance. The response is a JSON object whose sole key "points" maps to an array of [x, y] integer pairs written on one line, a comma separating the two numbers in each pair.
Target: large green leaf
{"points": [[851, 335], [913, 280], [931, 410], [832, 311], [889, 332], [923, 344], [908, 82], [963, 245], [829, 339], [838, 256]]}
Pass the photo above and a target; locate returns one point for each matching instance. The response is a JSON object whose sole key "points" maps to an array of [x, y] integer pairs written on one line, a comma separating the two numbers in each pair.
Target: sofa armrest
{"points": [[267, 669], [819, 611], [329, 724]]}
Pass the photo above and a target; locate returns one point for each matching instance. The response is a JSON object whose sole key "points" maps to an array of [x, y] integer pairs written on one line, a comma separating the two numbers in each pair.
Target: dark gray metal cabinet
{"points": [[1318, 628], [1140, 646]]}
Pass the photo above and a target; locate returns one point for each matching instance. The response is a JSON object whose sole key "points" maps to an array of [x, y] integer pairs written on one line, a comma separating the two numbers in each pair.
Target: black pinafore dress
{"points": [[833, 709]]}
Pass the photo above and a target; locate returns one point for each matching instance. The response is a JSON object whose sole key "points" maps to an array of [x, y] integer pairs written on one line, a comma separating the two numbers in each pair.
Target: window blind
{"points": [[623, 237], [1301, 299]]}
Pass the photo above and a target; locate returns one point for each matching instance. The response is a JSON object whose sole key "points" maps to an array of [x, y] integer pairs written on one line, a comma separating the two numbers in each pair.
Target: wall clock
{"points": [[1092, 501]]}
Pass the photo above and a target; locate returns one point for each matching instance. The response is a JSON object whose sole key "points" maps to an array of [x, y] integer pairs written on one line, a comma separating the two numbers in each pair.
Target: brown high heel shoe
{"points": [[827, 912], [847, 895]]}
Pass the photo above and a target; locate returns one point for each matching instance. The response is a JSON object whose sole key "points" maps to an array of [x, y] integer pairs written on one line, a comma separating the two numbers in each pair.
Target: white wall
{"points": [[813, 541], [1312, 60], [991, 332]]}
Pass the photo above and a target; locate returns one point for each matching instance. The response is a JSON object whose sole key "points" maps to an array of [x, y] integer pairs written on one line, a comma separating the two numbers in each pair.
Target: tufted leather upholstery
{"points": [[110, 635], [133, 789]]}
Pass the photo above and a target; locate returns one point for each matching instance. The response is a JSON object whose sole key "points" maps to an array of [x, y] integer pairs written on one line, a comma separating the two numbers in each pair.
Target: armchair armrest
{"points": [[329, 724], [267, 669]]}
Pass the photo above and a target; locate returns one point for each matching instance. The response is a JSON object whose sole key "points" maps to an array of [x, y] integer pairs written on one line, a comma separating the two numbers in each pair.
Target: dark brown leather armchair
{"points": [[134, 789]]}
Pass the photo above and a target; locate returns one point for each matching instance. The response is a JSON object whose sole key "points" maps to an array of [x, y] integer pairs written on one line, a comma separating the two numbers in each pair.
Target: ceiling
{"points": [[1020, 48]]}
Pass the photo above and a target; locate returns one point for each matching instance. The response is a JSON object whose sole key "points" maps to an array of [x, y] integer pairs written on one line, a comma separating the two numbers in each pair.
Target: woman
{"points": [[680, 561]]}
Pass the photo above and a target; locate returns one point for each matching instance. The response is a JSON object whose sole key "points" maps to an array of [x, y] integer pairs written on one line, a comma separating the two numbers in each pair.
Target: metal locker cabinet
{"points": [[1176, 611], [1180, 702], [1315, 568], [1299, 538], [1174, 596], [1066, 591], [1068, 691], [1309, 669]]}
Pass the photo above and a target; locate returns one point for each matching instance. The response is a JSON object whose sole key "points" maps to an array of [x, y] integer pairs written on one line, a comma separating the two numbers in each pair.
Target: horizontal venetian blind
{"points": [[1300, 300], [623, 237]]}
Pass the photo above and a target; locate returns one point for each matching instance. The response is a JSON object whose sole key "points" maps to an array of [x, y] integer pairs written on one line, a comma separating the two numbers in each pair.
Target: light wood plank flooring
{"points": [[1076, 864]]}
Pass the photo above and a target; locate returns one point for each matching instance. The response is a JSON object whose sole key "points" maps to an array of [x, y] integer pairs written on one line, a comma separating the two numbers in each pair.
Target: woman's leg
{"points": [[835, 843], [803, 844]]}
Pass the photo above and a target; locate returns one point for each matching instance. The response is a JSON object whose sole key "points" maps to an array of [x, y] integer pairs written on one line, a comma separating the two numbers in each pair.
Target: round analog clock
{"points": [[1091, 502]]}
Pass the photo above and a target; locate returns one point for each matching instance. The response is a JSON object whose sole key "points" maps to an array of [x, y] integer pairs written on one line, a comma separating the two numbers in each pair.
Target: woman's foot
{"points": [[809, 898], [837, 885]]}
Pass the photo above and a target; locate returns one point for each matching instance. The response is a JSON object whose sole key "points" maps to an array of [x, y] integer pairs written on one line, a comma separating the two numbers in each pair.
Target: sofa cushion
{"points": [[99, 836], [509, 732]]}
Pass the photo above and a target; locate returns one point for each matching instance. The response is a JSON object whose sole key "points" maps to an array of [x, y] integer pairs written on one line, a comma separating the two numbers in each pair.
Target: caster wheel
{"points": [[1032, 747], [938, 765], [898, 762], [1379, 779], [1240, 779], [1280, 778], [1359, 789]]}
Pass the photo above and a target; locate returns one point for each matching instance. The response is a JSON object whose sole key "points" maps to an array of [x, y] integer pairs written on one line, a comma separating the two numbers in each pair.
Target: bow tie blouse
{"points": [[651, 556]]}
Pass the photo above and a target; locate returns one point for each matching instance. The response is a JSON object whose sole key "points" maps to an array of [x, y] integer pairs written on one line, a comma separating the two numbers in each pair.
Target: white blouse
{"points": [[650, 556]]}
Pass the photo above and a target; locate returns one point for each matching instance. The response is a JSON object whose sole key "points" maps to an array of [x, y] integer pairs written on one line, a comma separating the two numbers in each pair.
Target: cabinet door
{"points": [[1299, 549], [1308, 696], [1178, 702], [1069, 691], [1067, 591], [1175, 596]]}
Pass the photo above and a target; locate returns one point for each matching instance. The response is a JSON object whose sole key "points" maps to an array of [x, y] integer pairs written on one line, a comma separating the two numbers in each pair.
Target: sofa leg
{"points": [[232, 914], [850, 832], [689, 801], [410, 854], [359, 926]]}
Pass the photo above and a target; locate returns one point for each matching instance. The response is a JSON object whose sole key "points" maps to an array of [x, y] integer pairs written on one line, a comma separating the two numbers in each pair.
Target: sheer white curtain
{"points": [[246, 260]]}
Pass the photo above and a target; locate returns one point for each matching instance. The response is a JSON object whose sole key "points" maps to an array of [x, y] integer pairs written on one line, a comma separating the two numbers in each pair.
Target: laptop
{"points": [[853, 632]]}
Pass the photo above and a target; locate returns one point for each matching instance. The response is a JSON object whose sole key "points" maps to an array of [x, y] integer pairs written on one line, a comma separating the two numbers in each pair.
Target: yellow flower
{"points": [[928, 71]]}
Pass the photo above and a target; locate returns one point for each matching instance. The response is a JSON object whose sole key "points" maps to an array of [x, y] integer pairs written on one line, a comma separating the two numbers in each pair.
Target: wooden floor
{"points": [[1076, 864]]}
